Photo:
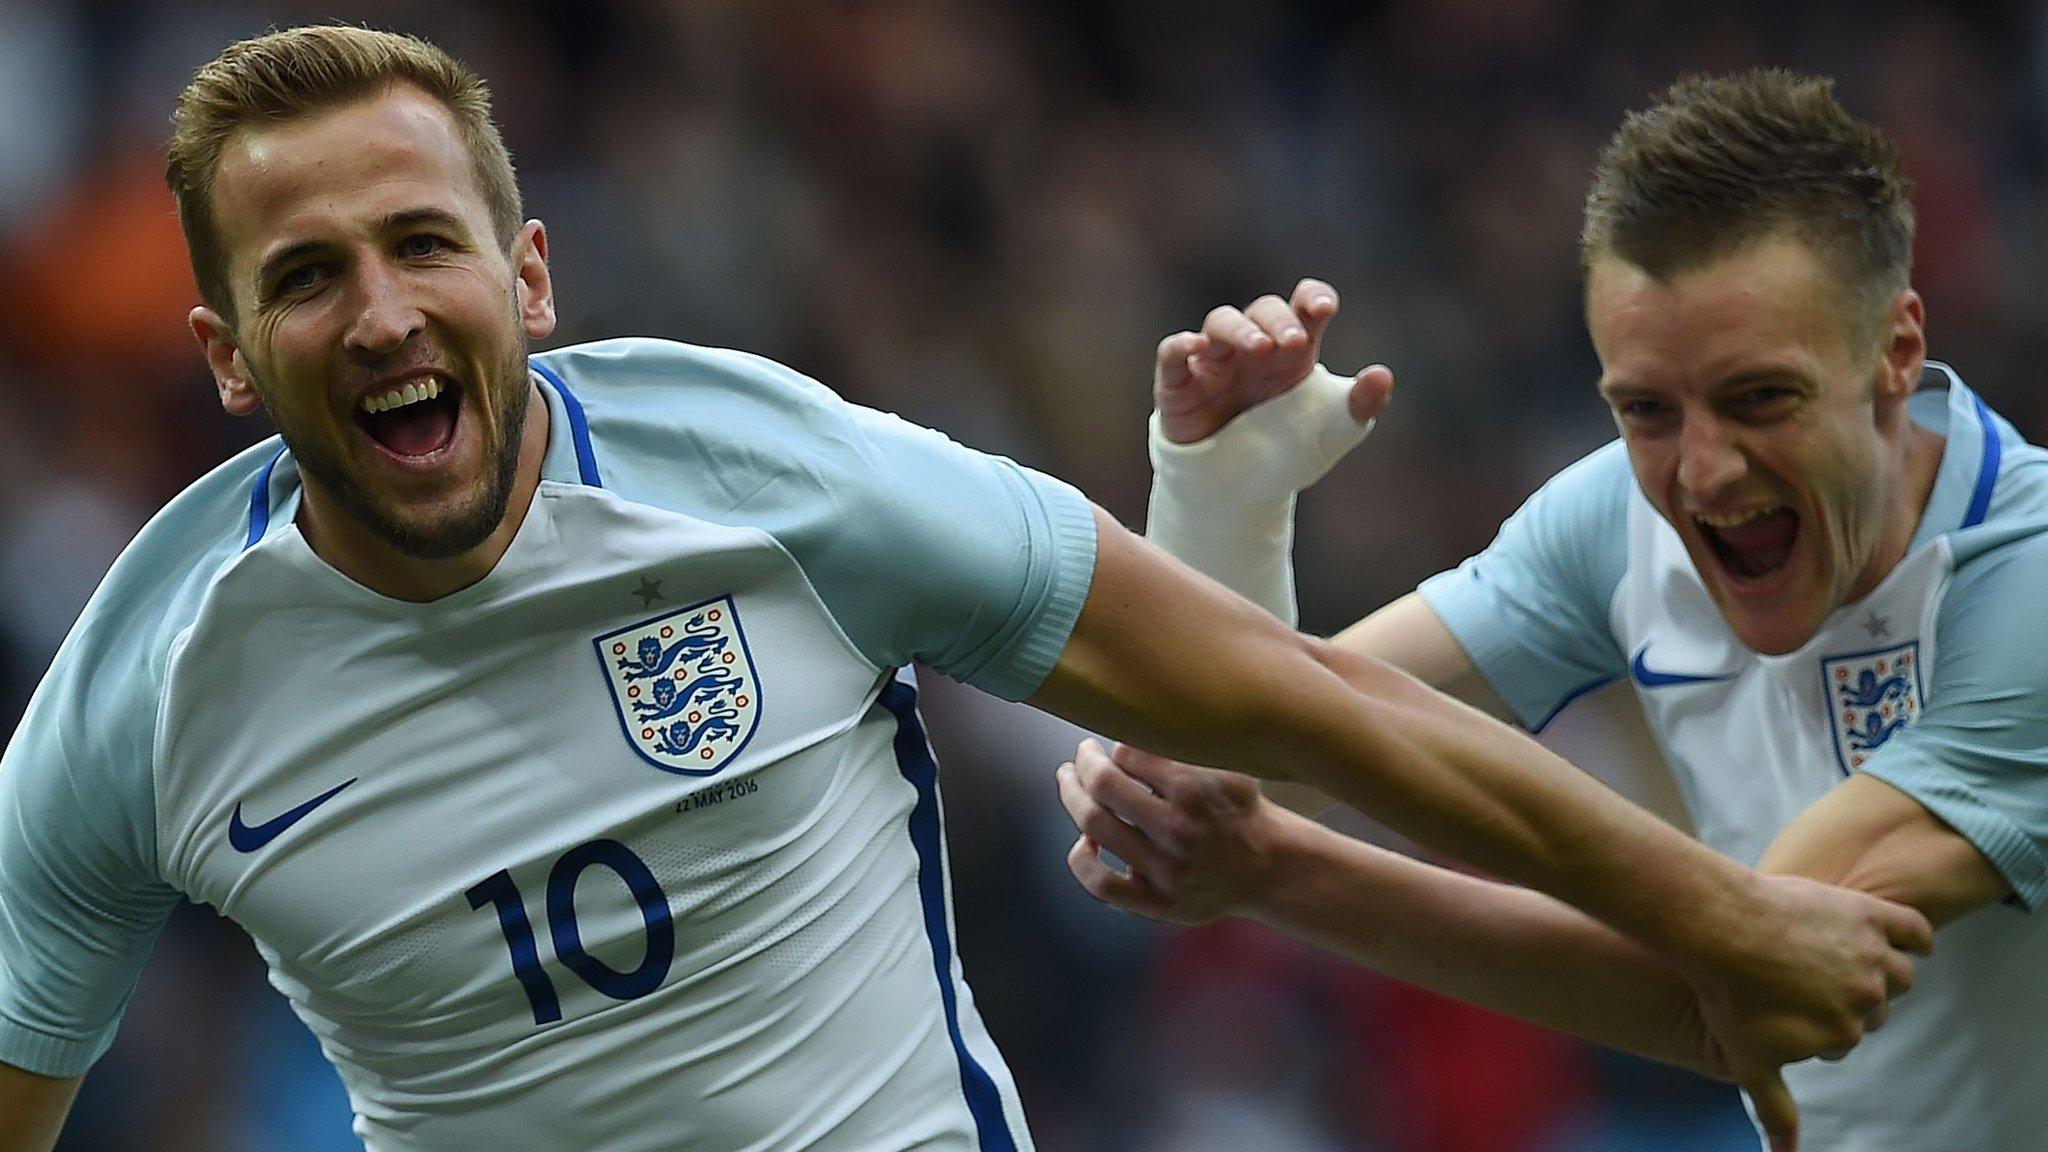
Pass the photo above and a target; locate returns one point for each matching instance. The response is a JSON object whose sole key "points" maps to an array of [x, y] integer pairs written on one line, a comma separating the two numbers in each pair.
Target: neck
{"points": [[365, 557], [1907, 504]]}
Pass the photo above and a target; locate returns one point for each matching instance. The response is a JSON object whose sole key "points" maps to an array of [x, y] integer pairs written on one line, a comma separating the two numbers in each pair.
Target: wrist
{"points": [[1700, 913], [1285, 861]]}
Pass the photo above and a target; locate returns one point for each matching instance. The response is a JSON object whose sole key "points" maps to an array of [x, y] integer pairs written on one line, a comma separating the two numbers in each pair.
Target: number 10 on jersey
{"points": [[499, 890]]}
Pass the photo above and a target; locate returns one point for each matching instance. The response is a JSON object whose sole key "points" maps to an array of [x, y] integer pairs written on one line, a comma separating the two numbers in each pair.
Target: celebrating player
{"points": [[1809, 552], [544, 718]]}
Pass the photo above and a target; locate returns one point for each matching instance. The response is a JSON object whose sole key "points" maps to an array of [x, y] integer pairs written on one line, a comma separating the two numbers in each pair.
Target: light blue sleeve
{"points": [[1531, 611], [920, 548], [80, 901], [81, 897], [1978, 755]]}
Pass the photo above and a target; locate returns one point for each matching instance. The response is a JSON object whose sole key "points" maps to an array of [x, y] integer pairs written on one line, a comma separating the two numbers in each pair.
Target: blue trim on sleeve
{"points": [[1987, 471], [259, 502], [579, 425], [1581, 690], [914, 760]]}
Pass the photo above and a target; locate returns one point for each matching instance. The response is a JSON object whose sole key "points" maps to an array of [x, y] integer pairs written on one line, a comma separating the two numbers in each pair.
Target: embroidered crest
{"points": [[684, 684], [1871, 695]]}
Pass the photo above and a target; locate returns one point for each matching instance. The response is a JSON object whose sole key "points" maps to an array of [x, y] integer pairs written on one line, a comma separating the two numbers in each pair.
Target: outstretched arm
{"points": [[1171, 661], [1200, 845]]}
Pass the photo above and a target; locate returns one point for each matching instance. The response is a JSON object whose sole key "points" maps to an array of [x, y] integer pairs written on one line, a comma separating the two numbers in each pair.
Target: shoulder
{"points": [[1595, 485], [112, 663], [704, 430], [1999, 567], [89, 733], [736, 437]]}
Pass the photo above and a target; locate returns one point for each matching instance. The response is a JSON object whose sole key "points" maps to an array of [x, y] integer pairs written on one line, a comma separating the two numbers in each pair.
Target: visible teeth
{"points": [[399, 397], [1735, 519]]}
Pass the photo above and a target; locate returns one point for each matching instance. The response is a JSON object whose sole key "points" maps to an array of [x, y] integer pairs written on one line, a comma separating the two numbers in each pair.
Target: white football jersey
{"points": [[1937, 682], [634, 844]]}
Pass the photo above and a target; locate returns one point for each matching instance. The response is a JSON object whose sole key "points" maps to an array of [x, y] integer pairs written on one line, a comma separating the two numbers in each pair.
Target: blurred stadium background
{"points": [[983, 215]]}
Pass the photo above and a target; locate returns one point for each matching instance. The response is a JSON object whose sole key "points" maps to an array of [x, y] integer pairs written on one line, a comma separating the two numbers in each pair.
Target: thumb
{"points": [[1370, 392], [1775, 1111]]}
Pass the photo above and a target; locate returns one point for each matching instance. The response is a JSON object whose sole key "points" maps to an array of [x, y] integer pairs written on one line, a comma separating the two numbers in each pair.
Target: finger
{"points": [[1171, 368], [1907, 928], [1876, 1017], [1775, 1111], [1278, 322], [1898, 974], [1315, 303], [1230, 331], [1099, 880], [1160, 774], [1131, 845], [1371, 391], [1113, 788]]}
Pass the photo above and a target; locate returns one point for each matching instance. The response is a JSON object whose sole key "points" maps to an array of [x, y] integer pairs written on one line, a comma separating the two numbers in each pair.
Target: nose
{"points": [[1709, 460], [385, 317]]}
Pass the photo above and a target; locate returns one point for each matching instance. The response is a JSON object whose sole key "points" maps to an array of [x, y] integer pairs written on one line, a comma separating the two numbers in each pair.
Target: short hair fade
{"points": [[1722, 161], [285, 75]]}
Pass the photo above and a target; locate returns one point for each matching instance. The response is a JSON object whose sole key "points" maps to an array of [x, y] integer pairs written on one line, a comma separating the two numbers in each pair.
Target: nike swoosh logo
{"points": [[248, 839], [1649, 677]]}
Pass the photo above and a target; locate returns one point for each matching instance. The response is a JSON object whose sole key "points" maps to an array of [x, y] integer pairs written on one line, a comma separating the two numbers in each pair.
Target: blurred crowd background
{"points": [[984, 215]]}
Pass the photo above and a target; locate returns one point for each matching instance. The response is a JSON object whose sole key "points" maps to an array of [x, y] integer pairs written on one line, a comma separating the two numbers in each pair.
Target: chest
{"points": [[600, 759]]}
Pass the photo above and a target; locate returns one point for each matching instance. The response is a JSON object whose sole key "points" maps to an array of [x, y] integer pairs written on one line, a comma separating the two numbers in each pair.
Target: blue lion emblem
{"points": [[1870, 696], [684, 683], [682, 738], [669, 700], [1875, 731], [1870, 692], [699, 641]]}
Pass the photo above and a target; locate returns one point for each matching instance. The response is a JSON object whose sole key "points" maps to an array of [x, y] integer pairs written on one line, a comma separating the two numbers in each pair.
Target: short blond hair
{"points": [[283, 76]]}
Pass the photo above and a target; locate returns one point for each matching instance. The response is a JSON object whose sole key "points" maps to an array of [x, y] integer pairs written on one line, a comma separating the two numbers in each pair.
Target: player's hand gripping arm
{"points": [[1173, 662], [32, 1109]]}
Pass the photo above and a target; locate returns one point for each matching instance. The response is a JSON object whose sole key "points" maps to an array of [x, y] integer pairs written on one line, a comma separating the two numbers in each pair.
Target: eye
{"points": [[300, 279], [420, 245], [1764, 401]]}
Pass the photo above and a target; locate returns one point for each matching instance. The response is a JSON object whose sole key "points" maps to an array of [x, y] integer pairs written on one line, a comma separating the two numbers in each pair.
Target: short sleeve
{"points": [[920, 548], [1531, 611], [80, 902], [964, 561], [1978, 755]]}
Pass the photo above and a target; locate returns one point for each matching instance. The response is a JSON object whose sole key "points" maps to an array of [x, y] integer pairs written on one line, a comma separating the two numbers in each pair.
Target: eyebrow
{"points": [[406, 218]]}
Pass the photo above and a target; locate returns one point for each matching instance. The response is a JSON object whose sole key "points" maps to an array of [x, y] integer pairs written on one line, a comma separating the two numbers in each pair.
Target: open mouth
{"points": [[1753, 545], [414, 420]]}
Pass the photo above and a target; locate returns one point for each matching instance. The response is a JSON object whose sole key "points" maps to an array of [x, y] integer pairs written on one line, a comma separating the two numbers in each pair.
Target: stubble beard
{"points": [[458, 530]]}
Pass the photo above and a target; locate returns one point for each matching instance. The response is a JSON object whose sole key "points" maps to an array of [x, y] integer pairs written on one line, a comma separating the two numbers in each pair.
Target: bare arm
{"points": [[1176, 664], [32, 1109], [1867, 835], [1163, 658], [1504, 948]]}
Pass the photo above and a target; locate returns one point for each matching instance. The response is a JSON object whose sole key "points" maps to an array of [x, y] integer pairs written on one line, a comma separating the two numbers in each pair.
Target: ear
{"points": [[1903, 354], [230, 372], [535, 288]]}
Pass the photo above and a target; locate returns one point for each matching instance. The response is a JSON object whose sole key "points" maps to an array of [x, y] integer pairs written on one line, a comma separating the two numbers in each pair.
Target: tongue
{"points": [[1761, 545], [415, 429]]}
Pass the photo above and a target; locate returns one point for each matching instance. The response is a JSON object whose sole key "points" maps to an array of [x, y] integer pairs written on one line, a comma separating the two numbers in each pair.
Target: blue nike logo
{"points": [[247, 839], [1649, 677]]}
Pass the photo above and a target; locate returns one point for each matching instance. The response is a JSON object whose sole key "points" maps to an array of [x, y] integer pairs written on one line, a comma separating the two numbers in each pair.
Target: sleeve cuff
{"points": [[1069, 523], [2015, 854], [1473, 620], [46, 1055]]}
